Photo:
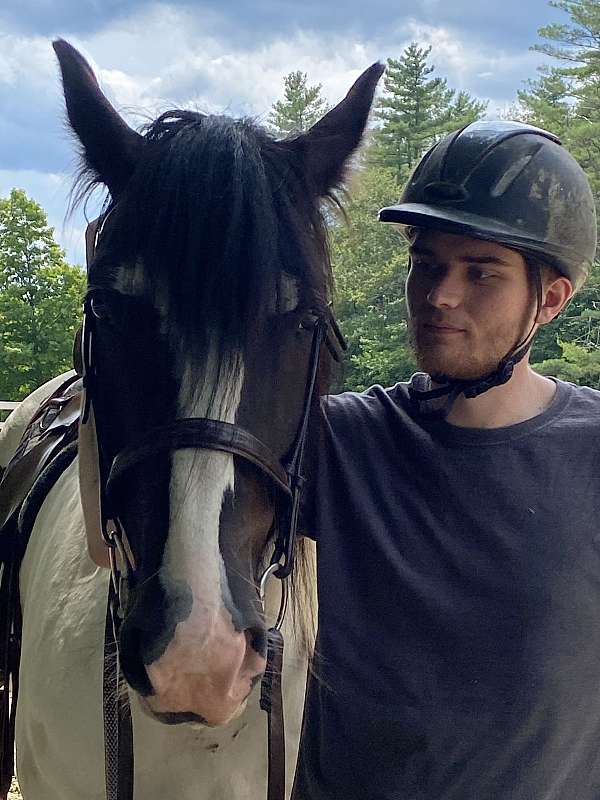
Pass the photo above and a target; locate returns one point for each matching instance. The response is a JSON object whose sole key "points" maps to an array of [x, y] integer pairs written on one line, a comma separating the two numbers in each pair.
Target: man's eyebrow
{"points": [[487, 259], [469, 259]]}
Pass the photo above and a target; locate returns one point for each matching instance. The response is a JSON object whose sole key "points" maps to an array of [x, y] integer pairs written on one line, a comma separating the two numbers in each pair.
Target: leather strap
{"points": [[196, 432], [271, 701], [10, 648], [116, 712]]}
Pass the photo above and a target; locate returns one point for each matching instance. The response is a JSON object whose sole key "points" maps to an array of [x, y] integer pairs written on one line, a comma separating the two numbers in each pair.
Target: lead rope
{"points": [[116, 711], [271, 701]]}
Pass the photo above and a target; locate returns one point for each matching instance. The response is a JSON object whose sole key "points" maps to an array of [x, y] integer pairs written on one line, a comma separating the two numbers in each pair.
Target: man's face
{"points": [[469, 303]]}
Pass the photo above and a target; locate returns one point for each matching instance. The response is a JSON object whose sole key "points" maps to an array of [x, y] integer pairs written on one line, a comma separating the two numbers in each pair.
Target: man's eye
{"points": [[478, 274]]}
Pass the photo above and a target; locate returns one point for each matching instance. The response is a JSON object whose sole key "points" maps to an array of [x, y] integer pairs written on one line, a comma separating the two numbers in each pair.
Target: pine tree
{"points": [[546, 102], [369, 261], [416, 111], [576, 45], [302, 107], [566, 101]]}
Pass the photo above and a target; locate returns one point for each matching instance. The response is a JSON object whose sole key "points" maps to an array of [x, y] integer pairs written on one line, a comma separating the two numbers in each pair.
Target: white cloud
{"points": [[192, 69], [461, 58], [162, 57], [26, 59]]}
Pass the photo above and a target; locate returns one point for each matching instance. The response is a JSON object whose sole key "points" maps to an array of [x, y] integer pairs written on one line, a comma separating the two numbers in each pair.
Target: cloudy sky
{"points": [[227, 55]]}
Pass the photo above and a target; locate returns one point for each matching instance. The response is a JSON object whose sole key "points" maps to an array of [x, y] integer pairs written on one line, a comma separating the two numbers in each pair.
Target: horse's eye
{"points": [[99, 307]]}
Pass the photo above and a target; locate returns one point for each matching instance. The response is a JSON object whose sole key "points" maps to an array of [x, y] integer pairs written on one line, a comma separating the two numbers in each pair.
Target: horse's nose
{"points": [[147, 629]]}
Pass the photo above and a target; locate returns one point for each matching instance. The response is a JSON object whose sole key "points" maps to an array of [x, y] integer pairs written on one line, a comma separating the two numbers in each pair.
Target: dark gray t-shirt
{"points": [[459, 591]]}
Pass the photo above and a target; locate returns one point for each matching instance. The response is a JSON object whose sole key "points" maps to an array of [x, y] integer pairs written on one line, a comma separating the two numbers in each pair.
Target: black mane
{"points": [[217, 210]]}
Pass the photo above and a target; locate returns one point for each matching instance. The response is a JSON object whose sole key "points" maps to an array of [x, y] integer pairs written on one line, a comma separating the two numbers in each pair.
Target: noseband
{"points": [[286, 478]]}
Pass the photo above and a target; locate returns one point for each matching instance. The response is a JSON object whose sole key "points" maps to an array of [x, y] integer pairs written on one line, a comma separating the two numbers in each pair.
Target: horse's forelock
{"points": [[216, 211]]}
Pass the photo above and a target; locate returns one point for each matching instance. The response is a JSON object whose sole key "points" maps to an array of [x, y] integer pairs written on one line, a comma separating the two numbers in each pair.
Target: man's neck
{"points": [[523, 397]]}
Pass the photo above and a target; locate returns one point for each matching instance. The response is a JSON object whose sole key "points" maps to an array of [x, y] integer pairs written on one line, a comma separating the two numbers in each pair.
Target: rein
{"points": [[199, 433]]}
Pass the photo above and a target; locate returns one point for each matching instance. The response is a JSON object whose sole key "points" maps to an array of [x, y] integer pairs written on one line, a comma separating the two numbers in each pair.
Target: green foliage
{"points": [[369, 261], [576, 364], [416, 111], [545, 102], [40, 299], [579, 323], [302, 107], [565, 99]]}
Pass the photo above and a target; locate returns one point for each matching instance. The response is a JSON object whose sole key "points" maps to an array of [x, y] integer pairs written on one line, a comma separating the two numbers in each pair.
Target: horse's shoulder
{"points": [[13, 429]]}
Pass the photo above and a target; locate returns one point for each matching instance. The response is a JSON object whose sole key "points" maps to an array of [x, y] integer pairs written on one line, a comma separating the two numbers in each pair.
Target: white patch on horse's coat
{"points": [[200, 480], [130, 279], [289, 294]]}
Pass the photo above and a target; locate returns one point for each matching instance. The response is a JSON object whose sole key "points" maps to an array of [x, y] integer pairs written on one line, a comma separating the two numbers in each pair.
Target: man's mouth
{"points": [[438, 328]]}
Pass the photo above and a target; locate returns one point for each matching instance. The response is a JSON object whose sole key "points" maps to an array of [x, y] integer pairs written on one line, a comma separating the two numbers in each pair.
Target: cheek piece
{"points": [[426, 400]]}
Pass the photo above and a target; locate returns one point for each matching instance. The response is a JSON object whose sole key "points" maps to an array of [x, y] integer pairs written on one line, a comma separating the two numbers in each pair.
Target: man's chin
{"points": [[443, 372]]}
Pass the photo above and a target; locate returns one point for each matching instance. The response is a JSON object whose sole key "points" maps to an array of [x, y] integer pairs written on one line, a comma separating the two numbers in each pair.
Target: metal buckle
{"points": [[270, 570], [113, 537]]}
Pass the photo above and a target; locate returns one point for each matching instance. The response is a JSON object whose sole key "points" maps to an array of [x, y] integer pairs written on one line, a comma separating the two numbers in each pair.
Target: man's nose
{"points": [[447, 292]]}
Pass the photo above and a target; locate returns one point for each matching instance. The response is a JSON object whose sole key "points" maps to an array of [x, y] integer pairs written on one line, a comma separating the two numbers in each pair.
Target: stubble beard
{"points": [[464, 359]]}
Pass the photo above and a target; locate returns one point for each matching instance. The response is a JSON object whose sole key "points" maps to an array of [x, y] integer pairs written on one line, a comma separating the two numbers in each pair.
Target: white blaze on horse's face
{"points": [[208, 667]]}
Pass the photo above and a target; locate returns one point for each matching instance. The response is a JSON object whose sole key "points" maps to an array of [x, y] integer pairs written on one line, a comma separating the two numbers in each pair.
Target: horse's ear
{"points": [[328, 145], [110, 146]]}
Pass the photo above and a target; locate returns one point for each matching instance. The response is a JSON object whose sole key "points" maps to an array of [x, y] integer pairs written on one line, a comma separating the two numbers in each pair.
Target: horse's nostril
{"points": [[257, 639], [130, 653]]}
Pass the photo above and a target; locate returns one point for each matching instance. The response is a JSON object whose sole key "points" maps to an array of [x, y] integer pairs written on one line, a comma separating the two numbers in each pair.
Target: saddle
{"points": [[47, 447], [53, 426]]}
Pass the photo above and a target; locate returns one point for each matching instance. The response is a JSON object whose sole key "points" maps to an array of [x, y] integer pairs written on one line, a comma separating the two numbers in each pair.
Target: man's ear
{"points": [[109, 146], [328, 145], [556, 295]]}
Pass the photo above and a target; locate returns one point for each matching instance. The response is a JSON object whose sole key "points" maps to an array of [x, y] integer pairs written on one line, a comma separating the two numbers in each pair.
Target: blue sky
{"points": [[226, 55]]}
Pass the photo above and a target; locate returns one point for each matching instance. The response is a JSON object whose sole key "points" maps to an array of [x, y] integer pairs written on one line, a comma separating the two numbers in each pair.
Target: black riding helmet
{"points": [[509, 183]]}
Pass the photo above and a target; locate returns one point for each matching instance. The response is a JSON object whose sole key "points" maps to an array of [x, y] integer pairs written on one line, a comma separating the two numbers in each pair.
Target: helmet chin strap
{"points": [[424, 400]]}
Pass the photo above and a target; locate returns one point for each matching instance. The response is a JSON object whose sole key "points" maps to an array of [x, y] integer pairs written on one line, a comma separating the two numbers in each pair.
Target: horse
{"points": [[210, 269]]}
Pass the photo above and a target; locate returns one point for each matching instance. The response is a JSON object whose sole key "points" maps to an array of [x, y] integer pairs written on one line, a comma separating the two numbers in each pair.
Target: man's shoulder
{"points": [[579, 418], [583, 401], [375, 402], [588, 393]]}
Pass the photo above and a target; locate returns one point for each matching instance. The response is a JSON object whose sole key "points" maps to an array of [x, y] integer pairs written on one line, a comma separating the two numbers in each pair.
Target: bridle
{"points": [[286, 478]]}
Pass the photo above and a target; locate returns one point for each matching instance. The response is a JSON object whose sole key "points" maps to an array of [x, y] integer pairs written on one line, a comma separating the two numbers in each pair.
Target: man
{"points": [[457, 517]]}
